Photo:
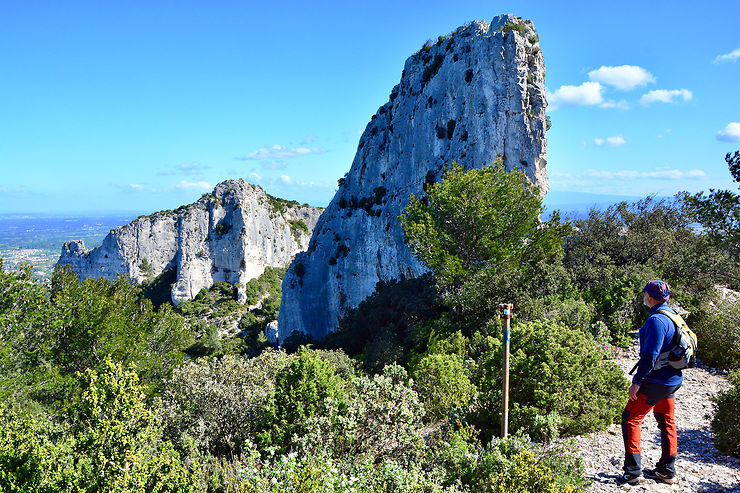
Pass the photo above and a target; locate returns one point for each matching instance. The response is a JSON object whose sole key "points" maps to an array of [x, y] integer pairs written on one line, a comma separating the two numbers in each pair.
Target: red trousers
{"points": [[632, 417]]}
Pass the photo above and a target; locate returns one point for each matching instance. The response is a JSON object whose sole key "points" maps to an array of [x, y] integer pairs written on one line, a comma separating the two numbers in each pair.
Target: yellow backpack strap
{"points": [[675, 317], [680, 325]]}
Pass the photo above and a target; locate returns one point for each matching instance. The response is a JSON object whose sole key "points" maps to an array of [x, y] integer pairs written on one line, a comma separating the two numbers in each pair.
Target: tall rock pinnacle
{"points": [[474, 95]]}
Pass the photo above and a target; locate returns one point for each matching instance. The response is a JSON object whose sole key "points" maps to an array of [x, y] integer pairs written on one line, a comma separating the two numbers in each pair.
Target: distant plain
{"points": [[38, 238]]}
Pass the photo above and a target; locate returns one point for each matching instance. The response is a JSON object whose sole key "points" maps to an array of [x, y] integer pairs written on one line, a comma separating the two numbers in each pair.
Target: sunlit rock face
{"points": [[470, 97], [229, 235]]}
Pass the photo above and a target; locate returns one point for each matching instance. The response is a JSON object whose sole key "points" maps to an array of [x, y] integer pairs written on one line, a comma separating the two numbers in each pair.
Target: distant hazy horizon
{"points": [[553, 200]]}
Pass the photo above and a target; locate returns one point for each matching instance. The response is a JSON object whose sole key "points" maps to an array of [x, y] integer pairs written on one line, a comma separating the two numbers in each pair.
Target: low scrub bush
{"points": [[725, 423], [380, 419], [320, 474], [381, 327], [513, 464], [554, 370], [217, 404], [442, 380], [574, 313], [300, 390], [717, 327], [108, 441], [519, 27]]}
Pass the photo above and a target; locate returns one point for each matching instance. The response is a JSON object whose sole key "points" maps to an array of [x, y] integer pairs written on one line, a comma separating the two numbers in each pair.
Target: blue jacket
{"points": [[656, 336]]}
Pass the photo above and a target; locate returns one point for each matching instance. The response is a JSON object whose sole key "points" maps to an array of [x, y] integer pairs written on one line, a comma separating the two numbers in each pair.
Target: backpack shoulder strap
{"points": [[677, 320], [675, 317]]}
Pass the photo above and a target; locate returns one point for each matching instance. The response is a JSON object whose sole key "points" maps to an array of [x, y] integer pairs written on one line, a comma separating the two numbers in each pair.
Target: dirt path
{"points": [[699, 466]]}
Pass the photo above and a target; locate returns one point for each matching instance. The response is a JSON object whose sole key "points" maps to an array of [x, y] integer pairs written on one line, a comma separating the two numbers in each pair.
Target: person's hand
{"points": [[633, 391]]}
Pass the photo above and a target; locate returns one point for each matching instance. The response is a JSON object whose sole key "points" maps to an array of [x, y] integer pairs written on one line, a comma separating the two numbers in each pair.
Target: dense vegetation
{"points": [[98, 394]]}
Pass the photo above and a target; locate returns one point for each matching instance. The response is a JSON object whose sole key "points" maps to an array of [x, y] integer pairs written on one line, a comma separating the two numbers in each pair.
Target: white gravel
{"points": [[700, 468]]}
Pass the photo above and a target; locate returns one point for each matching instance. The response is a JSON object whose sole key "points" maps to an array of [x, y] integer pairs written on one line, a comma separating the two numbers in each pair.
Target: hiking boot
{"points": [[629, 478], [661, 476]]}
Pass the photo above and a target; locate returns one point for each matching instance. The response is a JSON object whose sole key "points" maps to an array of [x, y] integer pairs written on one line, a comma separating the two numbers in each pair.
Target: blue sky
{"points": [[140, 106]]}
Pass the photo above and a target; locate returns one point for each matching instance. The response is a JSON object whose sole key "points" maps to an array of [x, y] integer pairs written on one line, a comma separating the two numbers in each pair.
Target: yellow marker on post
{"points": [[506, 310]]}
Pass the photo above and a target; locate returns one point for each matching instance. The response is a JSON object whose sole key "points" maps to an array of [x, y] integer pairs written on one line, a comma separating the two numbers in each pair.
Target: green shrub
{"points": [[380, 419], [519, 27], [717, 327], [514, 464], [443, 383], [320, 474], [22, 308], [207, 339], [109, 441], [218, 403], [431, 70], [615, 251], [619, 305], [146, 268], [280, 205], [554, 370], [91, 320], [479, 232], [725, 423], [380, 327], [297, 227], [300, 390], [28, 457], [346, 367], [116, 440], [573, 313], [268, 284]]}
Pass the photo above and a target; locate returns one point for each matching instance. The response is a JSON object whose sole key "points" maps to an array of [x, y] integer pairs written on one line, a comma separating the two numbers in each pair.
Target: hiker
{"points": [[652, 389]]}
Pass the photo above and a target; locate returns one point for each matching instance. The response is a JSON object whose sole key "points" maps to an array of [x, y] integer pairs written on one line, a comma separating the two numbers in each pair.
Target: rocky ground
{"points": [[699, 466]]}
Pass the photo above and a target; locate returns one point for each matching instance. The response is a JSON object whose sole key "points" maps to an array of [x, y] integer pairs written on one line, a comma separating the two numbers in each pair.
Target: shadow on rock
{"points": [[698, 445]]}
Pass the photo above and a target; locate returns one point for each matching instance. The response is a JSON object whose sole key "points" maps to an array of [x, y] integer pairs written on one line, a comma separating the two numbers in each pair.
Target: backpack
{"points": [[682, 353]]}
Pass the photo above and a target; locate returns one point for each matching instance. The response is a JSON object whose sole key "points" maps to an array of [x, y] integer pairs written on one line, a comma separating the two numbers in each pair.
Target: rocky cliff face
{"points": [[470, 97], [229, 235]]}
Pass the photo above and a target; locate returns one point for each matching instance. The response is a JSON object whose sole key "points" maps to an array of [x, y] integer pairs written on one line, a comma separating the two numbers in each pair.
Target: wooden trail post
{"points": [[506, 309]]}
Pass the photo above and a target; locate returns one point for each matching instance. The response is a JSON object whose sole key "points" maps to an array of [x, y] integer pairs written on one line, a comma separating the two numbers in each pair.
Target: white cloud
{"points": [[287, 180], [622, 104], [729, 57], [191, 168], [13, 191], [193, 185], [657, 173], [731, 133], [623, 77], [587, 94], [310, 139], [279, 152], [666, 96], [312, 184], [254, 176], [188, 169], [132, 187], [559, 175], [273, 165], [614, 141]]}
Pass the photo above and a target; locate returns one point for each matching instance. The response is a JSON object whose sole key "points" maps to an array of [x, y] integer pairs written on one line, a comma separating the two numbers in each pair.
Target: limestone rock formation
{"points": [[474, 95], [229, 235]]}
